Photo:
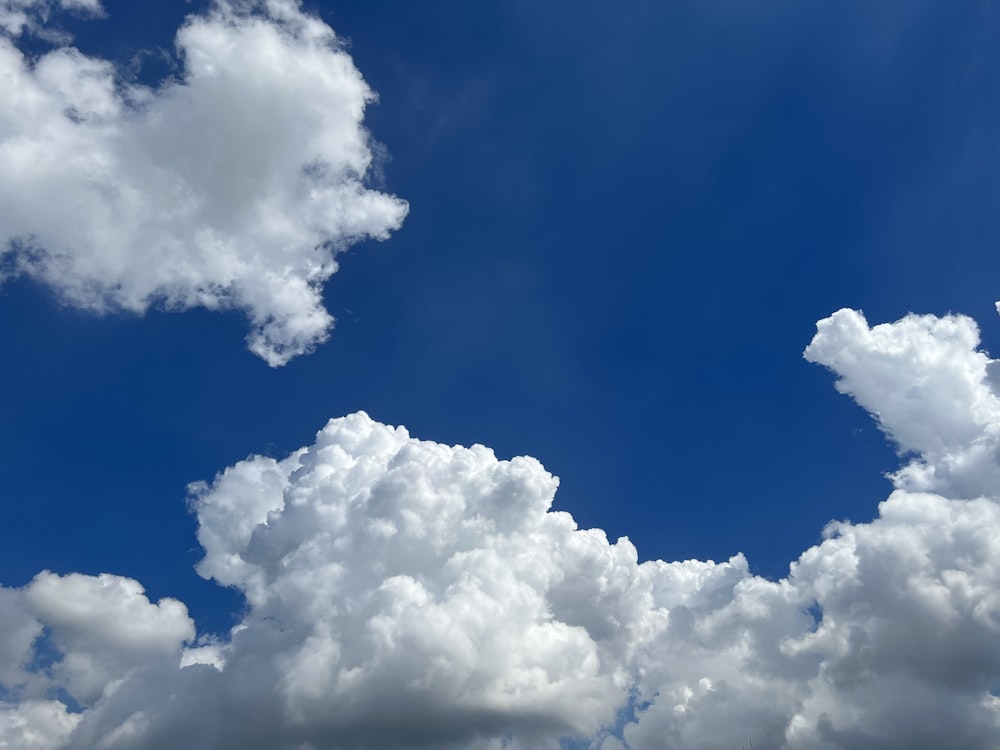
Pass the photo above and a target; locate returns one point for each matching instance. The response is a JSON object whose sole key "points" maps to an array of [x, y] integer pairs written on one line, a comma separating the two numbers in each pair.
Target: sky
{"points": [[713, 284]]}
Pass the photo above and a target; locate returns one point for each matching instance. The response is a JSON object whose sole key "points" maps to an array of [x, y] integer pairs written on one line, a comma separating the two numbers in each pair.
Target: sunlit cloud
{"points": [[401, 593], [233, 187]]}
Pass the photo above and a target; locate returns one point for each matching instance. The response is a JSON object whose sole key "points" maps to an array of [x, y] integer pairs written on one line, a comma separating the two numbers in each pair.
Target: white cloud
{"points": [[104, 627], [35, 725], [77, 638], [20, 16], [406, 594], [929, 388], [904, 654], [233, 187]]}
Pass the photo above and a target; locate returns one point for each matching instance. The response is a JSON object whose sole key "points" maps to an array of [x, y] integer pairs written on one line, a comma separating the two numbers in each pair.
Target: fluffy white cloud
{"points": [[77, 637], [35, 725], [104, 627], [406, 594], [234, 187], [928, 386], [903, 653]]}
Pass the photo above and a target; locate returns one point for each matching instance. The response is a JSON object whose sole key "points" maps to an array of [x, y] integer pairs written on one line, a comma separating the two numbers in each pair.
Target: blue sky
{"points": [[624, 224]]}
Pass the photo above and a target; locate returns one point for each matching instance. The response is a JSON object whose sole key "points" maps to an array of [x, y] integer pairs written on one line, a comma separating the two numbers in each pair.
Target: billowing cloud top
{"points": [[406, 594], [233, 187], [930, 391]]}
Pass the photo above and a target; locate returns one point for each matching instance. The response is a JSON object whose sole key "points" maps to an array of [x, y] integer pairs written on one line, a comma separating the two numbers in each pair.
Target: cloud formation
{"points": [[75, 638], [406, 594], [930, 391], [233, 187], [20, 16]]}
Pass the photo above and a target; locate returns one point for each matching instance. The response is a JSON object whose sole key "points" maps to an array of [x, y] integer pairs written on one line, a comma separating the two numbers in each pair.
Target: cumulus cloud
{"points": [[406, 594], [233, 187], [77, 637], [929, 388]]}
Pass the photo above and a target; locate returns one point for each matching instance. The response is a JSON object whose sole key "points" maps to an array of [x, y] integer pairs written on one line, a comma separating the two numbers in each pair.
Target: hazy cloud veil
{"points": [[401, 593], [232, 187]]}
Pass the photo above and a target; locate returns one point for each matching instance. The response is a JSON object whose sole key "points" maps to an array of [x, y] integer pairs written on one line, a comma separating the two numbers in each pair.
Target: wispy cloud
{"points": [[20, 16]]}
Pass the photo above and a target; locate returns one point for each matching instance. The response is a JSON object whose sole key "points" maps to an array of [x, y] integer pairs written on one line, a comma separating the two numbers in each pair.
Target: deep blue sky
{"points": [[624, 225]]}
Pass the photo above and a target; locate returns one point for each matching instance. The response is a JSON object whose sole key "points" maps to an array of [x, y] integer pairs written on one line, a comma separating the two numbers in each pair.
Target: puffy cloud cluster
{"points": [[71, 641], [406, 594], [234, 186]]}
